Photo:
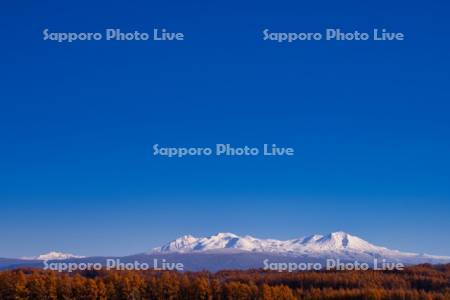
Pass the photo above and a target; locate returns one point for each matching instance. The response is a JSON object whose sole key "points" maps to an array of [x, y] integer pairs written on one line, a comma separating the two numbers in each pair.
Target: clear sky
{"points": [[369, 122]]}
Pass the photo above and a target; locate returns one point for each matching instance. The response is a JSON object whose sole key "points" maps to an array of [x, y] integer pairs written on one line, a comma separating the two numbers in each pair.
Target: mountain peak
{"points": [[53, 255], [225, 235], [332, 242], [340, 241], [339, 234], [339, 237]]}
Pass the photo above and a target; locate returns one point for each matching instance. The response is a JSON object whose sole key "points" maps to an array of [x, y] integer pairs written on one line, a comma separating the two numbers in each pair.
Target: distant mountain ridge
{"points": [[333, 245], [230, 251], [331, 242], [53, 255]]}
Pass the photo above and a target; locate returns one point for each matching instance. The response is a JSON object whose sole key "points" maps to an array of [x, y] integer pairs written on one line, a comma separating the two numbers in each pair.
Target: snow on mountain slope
{"points": [[335, 241], [337, 245], [53, 256]]}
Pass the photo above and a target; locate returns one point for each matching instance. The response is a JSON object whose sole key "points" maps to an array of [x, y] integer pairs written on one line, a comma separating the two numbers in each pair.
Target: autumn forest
{"points": [[419, 282]]}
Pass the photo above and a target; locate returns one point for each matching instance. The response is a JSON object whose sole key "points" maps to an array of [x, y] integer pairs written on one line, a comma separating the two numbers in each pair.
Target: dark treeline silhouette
{"points": [[422, 282]]}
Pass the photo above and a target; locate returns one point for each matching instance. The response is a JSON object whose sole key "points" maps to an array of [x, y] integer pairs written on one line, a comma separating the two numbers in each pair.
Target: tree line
{"points": [[423, 282]]}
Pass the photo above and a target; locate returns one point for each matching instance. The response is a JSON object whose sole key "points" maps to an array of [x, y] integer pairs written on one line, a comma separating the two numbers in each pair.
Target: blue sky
{"points": [[369, 122]]}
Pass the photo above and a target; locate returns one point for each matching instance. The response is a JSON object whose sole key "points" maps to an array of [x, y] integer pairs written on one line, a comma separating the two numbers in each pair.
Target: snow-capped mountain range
{"points": [[333, 245], [53, 256], [230, 251]]}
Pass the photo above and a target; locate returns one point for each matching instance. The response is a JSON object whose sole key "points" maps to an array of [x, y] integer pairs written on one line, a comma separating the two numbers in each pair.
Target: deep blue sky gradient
{"points": [[369, 121]]}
